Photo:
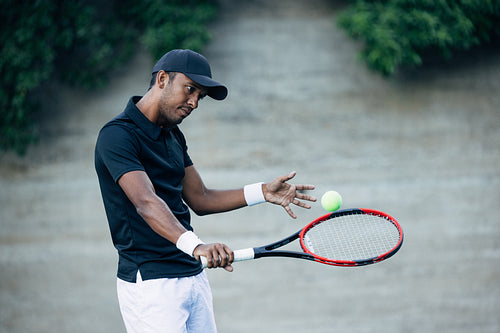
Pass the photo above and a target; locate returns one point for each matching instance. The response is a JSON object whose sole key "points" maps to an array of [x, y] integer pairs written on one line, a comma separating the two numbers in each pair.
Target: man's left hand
{"points": [[282, 193]]}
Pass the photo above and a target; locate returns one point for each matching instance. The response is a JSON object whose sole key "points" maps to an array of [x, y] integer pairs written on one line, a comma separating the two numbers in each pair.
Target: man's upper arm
{"points": [[137, 187], [193, 186]]}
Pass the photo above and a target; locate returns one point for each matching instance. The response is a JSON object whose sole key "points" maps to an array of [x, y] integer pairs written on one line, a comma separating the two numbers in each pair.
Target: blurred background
{"points": [[394, 104]]}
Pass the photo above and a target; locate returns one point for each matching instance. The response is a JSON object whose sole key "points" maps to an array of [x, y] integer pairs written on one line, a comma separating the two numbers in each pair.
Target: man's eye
{"points": [[190, 89]]}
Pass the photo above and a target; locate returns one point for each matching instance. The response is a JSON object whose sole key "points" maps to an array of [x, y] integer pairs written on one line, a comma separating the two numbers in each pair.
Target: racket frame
{"points": [[351, 263]]}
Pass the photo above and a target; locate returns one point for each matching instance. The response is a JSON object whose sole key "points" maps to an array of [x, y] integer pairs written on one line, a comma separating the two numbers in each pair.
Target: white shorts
{"points": [[177, 305]]}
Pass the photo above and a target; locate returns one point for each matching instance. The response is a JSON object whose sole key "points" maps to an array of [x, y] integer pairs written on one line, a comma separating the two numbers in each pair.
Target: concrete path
{"points": [[424, 146]]}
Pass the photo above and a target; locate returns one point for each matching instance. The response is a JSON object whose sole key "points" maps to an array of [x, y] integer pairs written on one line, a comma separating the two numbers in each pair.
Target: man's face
{"points": [[180, 96]]}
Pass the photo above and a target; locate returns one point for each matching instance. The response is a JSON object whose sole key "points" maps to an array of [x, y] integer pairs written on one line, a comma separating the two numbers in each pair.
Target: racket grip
{"points": [[244, 254], [239, 255]]}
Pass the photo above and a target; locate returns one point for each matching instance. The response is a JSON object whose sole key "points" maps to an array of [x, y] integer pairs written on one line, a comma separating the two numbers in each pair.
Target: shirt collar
{"points": [[150, 129]]}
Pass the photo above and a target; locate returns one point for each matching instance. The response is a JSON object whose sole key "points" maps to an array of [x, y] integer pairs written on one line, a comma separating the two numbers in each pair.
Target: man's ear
{"points": [[161, 79]]}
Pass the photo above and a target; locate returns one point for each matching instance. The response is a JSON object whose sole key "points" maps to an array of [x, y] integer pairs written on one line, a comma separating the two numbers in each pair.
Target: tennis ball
{"points": [[331, 201]]}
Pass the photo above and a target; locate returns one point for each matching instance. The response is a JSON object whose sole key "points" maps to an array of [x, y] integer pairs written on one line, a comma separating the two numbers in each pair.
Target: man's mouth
{"points": [[186, 111]]}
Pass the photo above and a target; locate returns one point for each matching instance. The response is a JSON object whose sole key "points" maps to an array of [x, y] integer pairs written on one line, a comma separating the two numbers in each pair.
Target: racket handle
{"points": [[239, 255], [244, 254]]}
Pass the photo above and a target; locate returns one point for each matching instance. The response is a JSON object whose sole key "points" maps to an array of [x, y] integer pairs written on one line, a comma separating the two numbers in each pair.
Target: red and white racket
{"points": [[348, 238]]}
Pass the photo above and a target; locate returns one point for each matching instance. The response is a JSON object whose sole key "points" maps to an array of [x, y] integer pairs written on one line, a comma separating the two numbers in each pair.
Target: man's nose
{"points": [[193, 102]]}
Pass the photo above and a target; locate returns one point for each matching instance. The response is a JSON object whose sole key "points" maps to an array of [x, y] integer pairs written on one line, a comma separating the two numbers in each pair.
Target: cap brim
{"points": [[214, 89]]}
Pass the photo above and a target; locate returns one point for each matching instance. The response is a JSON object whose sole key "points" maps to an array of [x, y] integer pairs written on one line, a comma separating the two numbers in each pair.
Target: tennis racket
{"points": [[348, 238]]}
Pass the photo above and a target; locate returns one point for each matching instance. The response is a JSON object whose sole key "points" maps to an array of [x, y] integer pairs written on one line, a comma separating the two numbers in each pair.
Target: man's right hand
{"points": [[217, 254]]}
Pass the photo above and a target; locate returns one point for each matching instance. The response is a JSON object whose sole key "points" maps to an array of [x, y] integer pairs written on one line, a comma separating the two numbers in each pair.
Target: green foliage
{"points": [[26, 60], [400, 32], [80, 42], [174, 24]]}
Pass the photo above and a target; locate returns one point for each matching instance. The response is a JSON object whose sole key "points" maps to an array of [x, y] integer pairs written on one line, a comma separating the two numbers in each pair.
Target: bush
{"points": [[174, 24], [400, 32], [80, 42]]}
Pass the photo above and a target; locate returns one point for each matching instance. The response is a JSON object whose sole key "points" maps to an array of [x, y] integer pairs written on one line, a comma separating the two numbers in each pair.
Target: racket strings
{"points": [[352, 237]]}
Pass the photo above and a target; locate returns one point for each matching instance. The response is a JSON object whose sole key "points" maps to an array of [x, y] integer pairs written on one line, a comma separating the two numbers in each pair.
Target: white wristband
{"points": [[188, 242], [253, 194]]}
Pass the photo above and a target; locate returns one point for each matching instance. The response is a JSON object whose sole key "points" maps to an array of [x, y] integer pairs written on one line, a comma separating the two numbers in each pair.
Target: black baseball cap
{"points": [[194, 66]]}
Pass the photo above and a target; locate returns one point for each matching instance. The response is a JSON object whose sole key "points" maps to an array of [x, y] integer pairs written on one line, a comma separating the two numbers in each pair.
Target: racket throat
{"points": [[281, 243], [262, 253]]}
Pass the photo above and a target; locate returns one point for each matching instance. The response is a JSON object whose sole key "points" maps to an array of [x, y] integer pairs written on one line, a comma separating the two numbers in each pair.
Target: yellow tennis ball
{"points": [[331, 201]]}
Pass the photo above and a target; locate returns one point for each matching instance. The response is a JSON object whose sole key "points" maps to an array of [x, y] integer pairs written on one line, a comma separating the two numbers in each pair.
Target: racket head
{"points": [[352, 237]]}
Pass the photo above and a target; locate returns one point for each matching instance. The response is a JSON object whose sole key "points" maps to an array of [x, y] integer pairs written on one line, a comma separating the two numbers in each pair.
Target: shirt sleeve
{"points": [[118, 150]]}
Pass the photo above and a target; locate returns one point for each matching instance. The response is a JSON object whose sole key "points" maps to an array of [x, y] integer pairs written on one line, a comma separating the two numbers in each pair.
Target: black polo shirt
{"points": [[131, 142]]}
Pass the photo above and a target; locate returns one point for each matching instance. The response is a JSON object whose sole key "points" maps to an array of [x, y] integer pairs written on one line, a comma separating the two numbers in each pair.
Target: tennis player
{"points": [[148, 181]]}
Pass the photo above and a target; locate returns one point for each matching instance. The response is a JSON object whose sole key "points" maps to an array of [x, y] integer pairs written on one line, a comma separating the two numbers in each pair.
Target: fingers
{"points": [[297, 188], [285, 178], [299, 203], [299, 196], [303, 196], [291, 175], [305, 187], [280, 192], [290, 212], [217, 255], [228, 268]]}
